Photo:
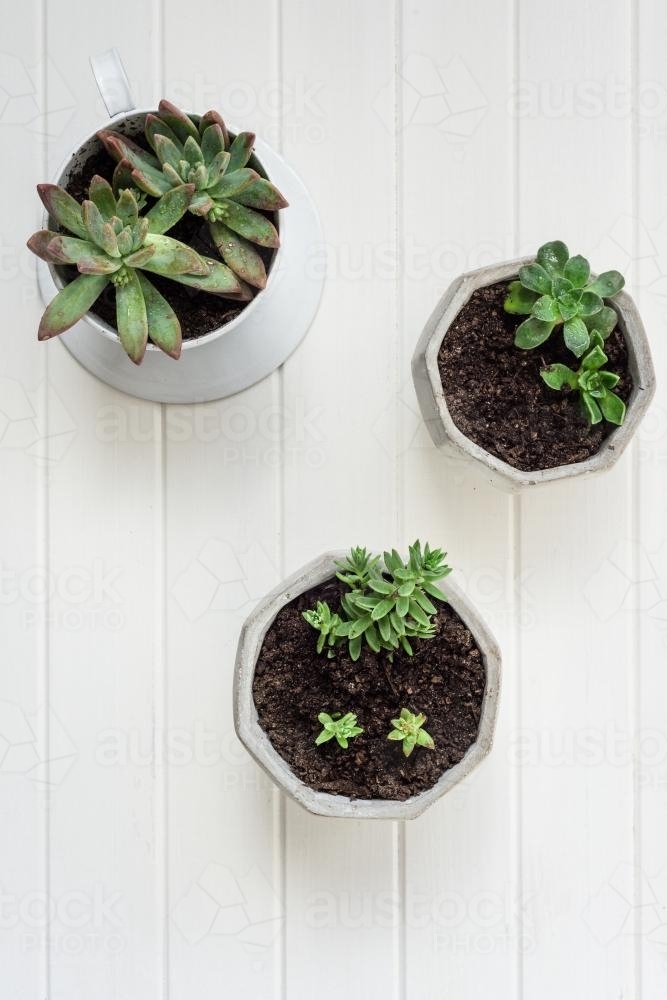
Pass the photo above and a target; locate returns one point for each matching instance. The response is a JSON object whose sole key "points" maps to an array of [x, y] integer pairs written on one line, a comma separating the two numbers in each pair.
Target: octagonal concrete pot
{"points": [[258, 744], [447, 435]]}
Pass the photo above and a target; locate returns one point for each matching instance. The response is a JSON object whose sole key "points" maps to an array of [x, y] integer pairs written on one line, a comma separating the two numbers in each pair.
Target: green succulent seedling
{"points": [[408, 729], [394, 605], [342, 728], [327, 623], [557, 290], [110, 242], [388, 602], [592, 383], [228, 192]]}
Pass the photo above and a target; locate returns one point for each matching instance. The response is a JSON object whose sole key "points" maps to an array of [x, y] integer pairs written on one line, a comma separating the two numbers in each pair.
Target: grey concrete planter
{"points": [[257, 742], [446, 434]]}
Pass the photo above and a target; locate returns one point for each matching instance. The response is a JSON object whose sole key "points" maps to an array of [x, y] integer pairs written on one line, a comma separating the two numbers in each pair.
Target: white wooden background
{"points": [[142, 854]]}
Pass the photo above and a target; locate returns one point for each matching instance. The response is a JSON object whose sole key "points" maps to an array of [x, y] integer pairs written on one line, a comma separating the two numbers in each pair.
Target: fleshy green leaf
{"points": [[240, 151], [532, 332], [212, 142], [156, 126], [239, 255], [577, 337], [178, 121], [594, 359], [234, 182], [168, 152], [250, 224], [40, 244], [192, 151], [547, 309], [613, 408], [220, 280], [63, 208], [556, 376], [70, 304], [553, 257], [603, 321], [591, 409], [140, 257], [172, 257], [262, 194], [171, 207], [577, 270], [87, 257], [164, 328], [590, 304], [520, 300], [534, 277], [131, 319], [101, 193], [99, 231], [609, 380], [213, 118], [607, 284]]}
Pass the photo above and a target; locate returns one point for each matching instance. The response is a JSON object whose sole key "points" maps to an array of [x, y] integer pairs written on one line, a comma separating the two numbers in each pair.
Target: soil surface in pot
{"points": [[495, 394], [197, 312], [445, 679]]}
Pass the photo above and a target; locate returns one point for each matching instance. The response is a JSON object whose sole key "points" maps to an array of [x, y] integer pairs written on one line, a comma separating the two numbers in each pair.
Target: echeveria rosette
{"points": [[229, 193], [557, 290], [407, 730], [112, 243], [341, 728], [592, 383]]}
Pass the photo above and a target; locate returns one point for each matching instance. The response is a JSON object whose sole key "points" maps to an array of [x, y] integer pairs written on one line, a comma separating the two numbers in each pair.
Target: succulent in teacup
{"points": [[592, 383], [228, 192], [557, 290], [112, 243]]}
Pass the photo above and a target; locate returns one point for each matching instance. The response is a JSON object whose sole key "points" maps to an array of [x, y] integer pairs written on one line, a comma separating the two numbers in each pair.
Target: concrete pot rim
{"points": [[433, 403], [259, 746]]}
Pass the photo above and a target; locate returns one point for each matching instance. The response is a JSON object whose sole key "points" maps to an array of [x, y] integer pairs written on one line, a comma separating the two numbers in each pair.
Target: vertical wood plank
{"points": [[341, 887], [464, 913], [106, 865], [645, 574], [24, 798], [577, 670], [226, 910]]}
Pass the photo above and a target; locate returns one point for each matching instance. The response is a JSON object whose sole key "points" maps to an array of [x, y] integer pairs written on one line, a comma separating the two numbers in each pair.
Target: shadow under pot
{"points": [[483, 397], [289, 699]]}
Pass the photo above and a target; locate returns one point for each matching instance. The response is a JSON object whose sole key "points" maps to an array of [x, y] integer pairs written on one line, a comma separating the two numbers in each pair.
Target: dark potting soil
{"points": [[198, 312], [445, 679], [497, 398]]}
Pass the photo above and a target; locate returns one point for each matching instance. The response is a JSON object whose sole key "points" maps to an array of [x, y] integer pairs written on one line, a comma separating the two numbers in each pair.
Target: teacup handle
{"points": [[112, 82]]}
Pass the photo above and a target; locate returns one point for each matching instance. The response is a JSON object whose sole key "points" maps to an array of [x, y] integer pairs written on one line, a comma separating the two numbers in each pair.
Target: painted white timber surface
{"points": [[143, 855]]}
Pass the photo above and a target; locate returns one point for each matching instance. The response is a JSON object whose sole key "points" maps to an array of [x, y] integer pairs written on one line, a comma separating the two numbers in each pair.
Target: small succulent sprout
{"points": [[112, 243], [593, 384], [408, 729], [228, 192], [356, 569], [388, 603], [342, 728], [327, 623], [557, 290]]}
